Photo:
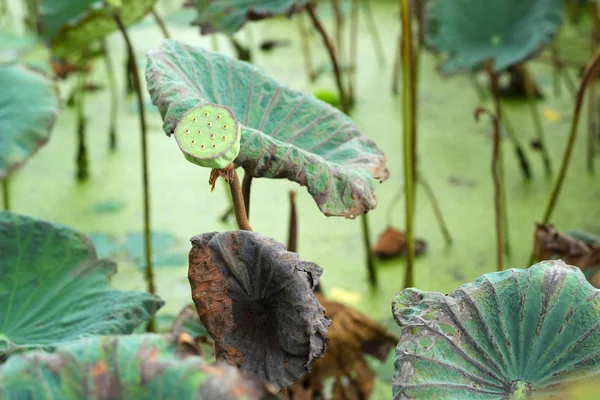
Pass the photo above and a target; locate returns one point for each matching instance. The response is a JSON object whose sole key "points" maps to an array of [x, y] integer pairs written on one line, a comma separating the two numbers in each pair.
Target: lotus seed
{"points": [[219, 117], [199, 132], [195, 119], [214, 146], [223, 137], [203, 146], [193, 143], [209, 124], [212, 137], [187, 131], [225, 126], [206, 114]]}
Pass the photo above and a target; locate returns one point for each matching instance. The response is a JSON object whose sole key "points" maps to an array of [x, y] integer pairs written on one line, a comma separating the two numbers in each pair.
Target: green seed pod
{"points": [[209, 135]]}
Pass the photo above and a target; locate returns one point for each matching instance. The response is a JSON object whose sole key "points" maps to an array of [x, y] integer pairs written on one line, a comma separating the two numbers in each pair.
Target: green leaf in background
{"points": [[285, 133], [27, 50], [505, 335], [70, 26], [470, 33], [228, 16], [140, 367], [28, 109], [54, 289]]}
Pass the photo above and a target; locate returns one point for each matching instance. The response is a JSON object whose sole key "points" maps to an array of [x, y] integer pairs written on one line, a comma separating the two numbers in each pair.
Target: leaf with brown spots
{"points": [[352, 336], [285, 133], [256, 300], [125, 367]]}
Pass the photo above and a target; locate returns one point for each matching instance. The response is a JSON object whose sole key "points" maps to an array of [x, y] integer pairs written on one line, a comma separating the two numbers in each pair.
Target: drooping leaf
{"points": [[124, 367], [256, 300], [550, 244], [28, 109], [228, 16], [285, 134], [506, 335], [70, 26], [187, 322], [54, 289], [392, 243], [352, 335], [507, 32]]}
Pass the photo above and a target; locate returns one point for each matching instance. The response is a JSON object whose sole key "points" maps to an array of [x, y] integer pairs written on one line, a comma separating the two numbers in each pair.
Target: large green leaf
{"points": [[471, 33], [124, 367], [503, 336], [228, 16], [54, 289], [285, 133], [24, 49], [70, 26], [28, 108]]}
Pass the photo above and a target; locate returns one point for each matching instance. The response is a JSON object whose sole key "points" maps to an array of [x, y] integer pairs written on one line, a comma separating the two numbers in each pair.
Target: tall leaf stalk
{"points": [[135, 75], [408, 132], [5, 193]]}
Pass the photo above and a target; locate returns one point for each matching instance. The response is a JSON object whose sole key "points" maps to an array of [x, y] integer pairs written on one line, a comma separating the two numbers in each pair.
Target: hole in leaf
{"points": [[415, 331], [447, 329], [425, 341]]}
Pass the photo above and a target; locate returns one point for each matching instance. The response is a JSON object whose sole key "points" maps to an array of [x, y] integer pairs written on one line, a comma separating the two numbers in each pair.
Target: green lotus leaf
{"points": [[506, 335], [228, 16], [284, 133], [70, 26], [28, 109], [54, 289], [507, 32], [140, 367], [24, 49]]}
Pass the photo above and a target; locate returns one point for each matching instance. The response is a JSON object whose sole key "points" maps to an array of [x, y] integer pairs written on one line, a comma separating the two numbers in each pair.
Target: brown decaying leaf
{"points": [[256, 300], [391, 244], [352, 335], [551, 244]]}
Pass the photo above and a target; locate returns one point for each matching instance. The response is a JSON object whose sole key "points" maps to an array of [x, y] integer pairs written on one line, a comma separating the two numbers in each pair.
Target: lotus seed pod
{"points": [[209, 136]]}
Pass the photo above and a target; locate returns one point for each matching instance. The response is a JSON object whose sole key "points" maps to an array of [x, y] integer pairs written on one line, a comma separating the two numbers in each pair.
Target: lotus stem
{"points": [[293, 228], [304, 43], [337, 21], [559, 64], [372, 27], [373, 281], [504, 205], [246, 187], [589, 76], [310, 8], [353, 50], [408, 111], [148, 272], [160, 22], [396, 68], [114, 97], [214, 42], [129, 67], [519, 152], [439, 216], [81, 160], [238, 203], [592, 109], [495, 175], [537, 120], [6, 193]]}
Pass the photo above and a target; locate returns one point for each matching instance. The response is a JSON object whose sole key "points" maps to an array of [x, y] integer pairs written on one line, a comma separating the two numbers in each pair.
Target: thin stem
{"points": [[310, 8], [246, 187], [238, 203], [160, 22], [114, 97], [537, 120], [592, 101], [81, 160], [437, 210], [372, 27], [129, 67], [337, 20], [370, 256], [408, 112], [149, 273], [6, 193], [353, 50], [396, 68], [588, 76], [293, 228], [504, 204], [519, 152], [305, 44], [560, 65]]}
